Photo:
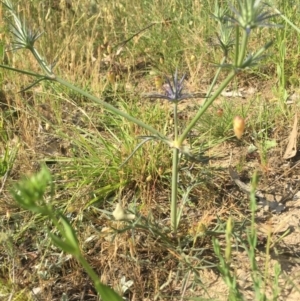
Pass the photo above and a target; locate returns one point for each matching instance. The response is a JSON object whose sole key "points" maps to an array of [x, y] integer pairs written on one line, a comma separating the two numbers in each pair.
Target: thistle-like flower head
{"points": [[250, 14], [173, 90], [24, 36]]}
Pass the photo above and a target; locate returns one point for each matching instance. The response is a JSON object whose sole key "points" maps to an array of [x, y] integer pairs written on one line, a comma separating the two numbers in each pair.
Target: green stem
{"points": [[243, 49], [215, 78], [41, 62], [206, 105], [231, 75], [174, 192], [24, 72], [93, 98], [237, 45], [174, 188], [111, 108], [175, 121]]}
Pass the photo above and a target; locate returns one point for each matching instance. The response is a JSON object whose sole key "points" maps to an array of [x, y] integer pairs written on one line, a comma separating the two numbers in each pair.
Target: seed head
{"points": [[238, 126]]}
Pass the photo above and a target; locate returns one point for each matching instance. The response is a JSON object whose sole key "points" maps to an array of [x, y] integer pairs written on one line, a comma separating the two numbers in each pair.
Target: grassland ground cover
{"points": [[119, 51]]}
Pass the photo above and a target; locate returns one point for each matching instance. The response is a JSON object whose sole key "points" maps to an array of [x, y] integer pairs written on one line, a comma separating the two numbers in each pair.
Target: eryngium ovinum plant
{"points": [[235, 28]]}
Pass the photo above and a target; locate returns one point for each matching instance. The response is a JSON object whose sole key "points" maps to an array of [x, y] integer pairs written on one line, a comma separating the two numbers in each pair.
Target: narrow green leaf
{"points": [[69, 234], [66, 247]]}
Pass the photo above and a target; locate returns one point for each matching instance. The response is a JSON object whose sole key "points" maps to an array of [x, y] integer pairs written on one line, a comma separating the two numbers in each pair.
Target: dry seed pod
{"points": [[238, 126]]}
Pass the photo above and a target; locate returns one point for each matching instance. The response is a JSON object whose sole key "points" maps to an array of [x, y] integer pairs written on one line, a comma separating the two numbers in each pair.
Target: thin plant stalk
{"points": [[91, 97], [34, 74], [42, 62], [206, 105], [111, 108], [174, 190], [243, 48], [237, 44], [174, 184], [215, 78], [175, 121], [240, 51]]}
